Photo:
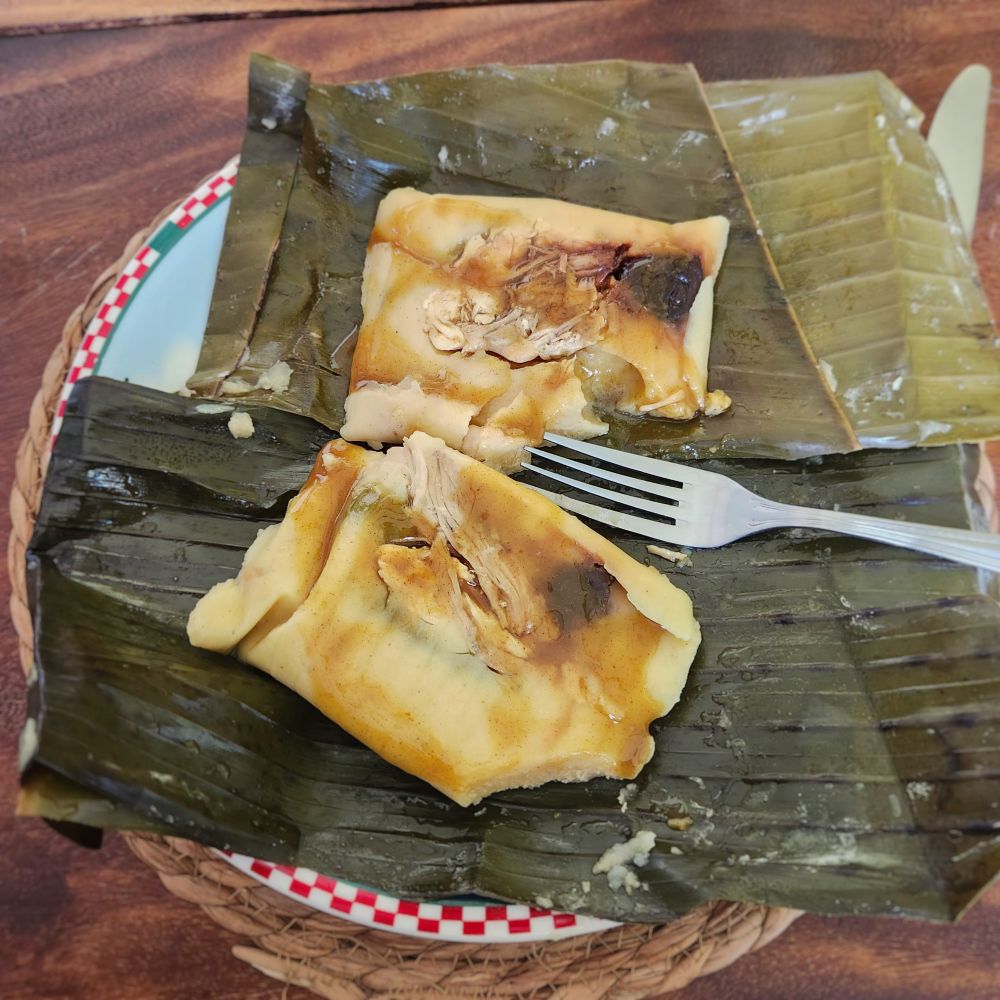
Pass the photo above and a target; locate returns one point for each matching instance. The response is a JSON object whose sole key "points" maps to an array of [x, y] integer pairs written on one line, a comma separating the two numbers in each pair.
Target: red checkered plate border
{"points": [[450, 920], [108, 316]]}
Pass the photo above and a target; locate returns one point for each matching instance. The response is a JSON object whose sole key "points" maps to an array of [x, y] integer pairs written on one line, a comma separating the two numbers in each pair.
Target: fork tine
{"points": [[615, 519], [626, 499], [658, 467], [656, 489]]}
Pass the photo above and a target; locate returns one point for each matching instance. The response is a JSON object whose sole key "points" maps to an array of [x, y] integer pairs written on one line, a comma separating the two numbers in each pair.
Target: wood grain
{"points": [[102, 129], [38, 17]]}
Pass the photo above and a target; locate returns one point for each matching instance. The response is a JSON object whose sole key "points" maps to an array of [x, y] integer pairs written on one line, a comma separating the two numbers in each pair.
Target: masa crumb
{"points": [[235, 386], [544, 902], [717, 402], [276, 378], [674, 555], [679, 822], [615, 861], [240, 425], [621, 877], [445, 161], [919, 789], [625, 794], [606, 127]]}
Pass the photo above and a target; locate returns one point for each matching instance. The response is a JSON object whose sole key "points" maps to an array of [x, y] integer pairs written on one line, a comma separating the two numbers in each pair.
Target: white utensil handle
{"points": [[974, 548]]}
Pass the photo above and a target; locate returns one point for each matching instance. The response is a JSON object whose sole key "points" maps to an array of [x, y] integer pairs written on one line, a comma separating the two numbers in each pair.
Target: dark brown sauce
{"points": [[664, 286], [578, 593], [555, 280]]}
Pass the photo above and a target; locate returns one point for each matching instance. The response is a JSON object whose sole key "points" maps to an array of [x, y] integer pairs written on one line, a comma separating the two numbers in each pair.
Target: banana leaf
{"points": [[269, 160], [837, 747], [869, 246], [77, 813], [632, 137]]}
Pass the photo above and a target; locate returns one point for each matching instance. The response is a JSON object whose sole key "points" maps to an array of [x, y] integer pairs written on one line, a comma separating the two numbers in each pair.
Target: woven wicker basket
{"points": [[342, 960]]}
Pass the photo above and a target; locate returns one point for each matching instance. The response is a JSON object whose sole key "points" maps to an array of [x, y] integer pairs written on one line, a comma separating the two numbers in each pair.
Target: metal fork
{"points": [[705, 510]]}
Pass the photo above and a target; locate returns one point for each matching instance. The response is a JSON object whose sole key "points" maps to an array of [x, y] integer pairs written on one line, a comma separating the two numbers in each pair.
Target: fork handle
{"points": [[974, 548]]}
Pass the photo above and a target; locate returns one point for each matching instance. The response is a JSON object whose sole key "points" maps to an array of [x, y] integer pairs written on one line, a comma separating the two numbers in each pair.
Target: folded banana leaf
{"points": [[837, 747], [870, 249], [269, 160], [632, 137]]}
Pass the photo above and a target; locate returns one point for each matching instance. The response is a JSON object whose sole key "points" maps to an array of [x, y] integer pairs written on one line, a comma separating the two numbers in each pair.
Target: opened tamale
{"points": [[633, 138], [835, 747], [464, 627], [546, 311]]}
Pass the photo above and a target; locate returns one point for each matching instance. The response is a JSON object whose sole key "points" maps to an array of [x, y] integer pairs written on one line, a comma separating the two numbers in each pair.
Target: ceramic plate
{"points": [[148, 330]]}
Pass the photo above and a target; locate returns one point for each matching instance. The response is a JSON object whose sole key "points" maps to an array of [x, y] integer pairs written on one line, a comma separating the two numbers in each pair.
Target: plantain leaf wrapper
{"points": [[870, 249], [269, 161], [836, 747], [853, 204], [630, 137]]}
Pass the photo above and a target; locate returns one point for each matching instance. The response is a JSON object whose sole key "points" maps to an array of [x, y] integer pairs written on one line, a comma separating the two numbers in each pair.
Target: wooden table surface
{"points": [[101, 128]]}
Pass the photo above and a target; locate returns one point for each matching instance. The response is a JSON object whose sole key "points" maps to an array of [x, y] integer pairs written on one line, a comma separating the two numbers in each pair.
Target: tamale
{"points": [[835, 747], [489, 321], [468, 630], [633, 138]]}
